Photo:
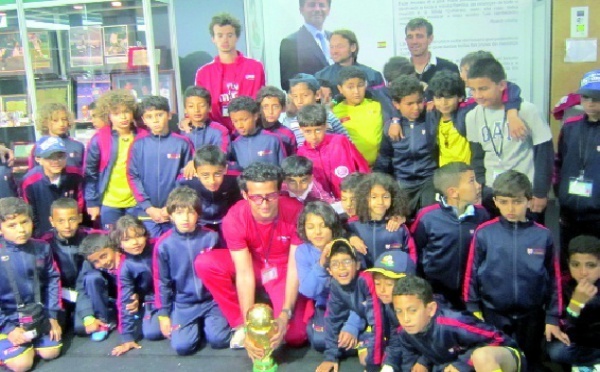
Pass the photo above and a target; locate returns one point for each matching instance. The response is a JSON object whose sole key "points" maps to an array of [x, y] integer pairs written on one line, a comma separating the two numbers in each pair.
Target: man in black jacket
{"points": [[306, 50]]}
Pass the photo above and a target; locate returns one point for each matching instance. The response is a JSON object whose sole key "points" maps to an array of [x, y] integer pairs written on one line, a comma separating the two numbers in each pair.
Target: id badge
{"points": [[25, 319], [69, 294], [268, 273], [225, 111], [580, 187]]}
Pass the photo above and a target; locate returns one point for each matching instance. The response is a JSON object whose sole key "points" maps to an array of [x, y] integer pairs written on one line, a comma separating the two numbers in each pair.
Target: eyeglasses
{"points": [[259, 199], [338, 264]]}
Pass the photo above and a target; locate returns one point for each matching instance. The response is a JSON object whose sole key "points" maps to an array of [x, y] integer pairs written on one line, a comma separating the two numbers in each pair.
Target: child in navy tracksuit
{"points": [[49, 181], [577, 167], [434, 338], [108, 195], [512, 277], [64, 239], [55, 120], [8, 187], [299, 182], [202, 130], [318, 225], [378, 198], [360, 293], [182, 300], [413, 159], [96, 287], [581, 299], [135, 287], [443, 231], [216, 186], [21, 255], [253, 143], [272, 103], [155, 160]]}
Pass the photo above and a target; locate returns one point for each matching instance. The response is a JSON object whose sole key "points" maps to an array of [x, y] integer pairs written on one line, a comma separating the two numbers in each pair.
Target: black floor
{"points": [[82, 354]]}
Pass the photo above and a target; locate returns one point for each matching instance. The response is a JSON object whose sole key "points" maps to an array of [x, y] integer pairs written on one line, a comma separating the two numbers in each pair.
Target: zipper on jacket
{"points": [[373, 249], [515, 274], [460, 249], [158, 167], [412, 145], [191, 257]]}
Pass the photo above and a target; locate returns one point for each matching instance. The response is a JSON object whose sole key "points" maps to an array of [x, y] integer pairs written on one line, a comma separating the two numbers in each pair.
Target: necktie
{"points": [[321, 38]]}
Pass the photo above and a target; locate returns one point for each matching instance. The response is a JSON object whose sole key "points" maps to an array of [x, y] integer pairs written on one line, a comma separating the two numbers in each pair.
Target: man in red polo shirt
{"points": [[260, 232]]}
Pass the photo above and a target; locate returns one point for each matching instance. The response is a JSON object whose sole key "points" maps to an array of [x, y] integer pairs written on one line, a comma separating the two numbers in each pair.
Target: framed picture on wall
{"points": [[85, 46], [87, 90], [54, 91], [116, 44], [40, 45], [138, 83], [15, 103]]}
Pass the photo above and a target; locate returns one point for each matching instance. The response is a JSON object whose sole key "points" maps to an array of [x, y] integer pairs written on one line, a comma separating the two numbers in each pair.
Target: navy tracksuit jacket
{"points": [[153, 166], [358, 296], [411, 160], [67, 255], [443, 240], [134, 276], [23, 258], [378, 240], [513, 269], [450, 338], [39, 193], [261, 146]]}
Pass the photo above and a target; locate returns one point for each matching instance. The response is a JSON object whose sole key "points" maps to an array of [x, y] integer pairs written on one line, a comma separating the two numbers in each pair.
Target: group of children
{"points": [[400, 234]]}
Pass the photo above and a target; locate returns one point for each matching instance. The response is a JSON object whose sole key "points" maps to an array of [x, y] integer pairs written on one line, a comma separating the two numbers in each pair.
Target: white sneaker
{"points": [[237, 339]]}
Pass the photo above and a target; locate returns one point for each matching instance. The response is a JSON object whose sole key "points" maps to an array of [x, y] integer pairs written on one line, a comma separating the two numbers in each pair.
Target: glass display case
{"points": [[71, 52]]}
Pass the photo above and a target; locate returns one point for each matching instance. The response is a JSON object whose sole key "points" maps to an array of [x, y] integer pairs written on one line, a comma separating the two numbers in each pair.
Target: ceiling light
{"points": [[116, 3], [78, 7]]}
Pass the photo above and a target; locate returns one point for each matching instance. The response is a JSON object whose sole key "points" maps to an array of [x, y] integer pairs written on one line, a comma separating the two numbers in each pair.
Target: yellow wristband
{"points": [[577, 303], [478, 315], [88, 320]]}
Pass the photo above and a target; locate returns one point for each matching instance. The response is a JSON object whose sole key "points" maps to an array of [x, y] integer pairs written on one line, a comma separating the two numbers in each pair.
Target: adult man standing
{"points": [[230, 74], [260, 232], [306, 50], [419, 34], [344, 52]]}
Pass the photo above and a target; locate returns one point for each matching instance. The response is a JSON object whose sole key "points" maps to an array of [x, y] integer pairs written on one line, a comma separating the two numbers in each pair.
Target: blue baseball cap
{"points": [[590, 84], [310, 80], [394, 264], [47, 146]]}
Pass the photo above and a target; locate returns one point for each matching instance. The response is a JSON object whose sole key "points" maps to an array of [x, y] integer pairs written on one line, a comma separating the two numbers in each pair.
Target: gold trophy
{"points": [[260, 327]]}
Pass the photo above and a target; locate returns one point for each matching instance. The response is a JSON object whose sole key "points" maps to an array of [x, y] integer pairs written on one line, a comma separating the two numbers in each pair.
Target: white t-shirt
{"points": [[490, 129]]}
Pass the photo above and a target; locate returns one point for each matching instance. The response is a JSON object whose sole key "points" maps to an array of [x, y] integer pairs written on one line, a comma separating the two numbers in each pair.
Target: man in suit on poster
{"points": [[306, 50]]}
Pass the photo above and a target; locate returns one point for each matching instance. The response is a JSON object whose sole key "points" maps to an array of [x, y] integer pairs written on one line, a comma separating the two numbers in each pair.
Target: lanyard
{"points": [[498, 152], [271, 235], [584, 150]]}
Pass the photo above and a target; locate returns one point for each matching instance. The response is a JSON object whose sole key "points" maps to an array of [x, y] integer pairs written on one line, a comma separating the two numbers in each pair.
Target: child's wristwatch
{"points": [[287, 312]]}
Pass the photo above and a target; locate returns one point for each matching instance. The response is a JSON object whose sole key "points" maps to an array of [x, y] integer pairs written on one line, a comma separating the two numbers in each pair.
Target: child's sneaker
{"points": [[100, 335], [238, 338]]}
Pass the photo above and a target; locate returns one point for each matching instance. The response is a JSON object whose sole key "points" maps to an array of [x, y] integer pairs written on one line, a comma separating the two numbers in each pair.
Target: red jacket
{"points": [[247, 78], [334, 159]]}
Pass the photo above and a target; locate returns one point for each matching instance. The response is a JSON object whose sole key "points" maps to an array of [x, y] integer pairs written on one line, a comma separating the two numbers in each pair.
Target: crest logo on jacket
{"points": [[393, 246], [264, 152], [250, 77], [341, 171], [536, 251], [173, 156]]}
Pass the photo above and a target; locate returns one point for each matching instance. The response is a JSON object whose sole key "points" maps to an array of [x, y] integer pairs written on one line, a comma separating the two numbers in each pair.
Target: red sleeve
{"points": [[360, 162], [234, 228]]}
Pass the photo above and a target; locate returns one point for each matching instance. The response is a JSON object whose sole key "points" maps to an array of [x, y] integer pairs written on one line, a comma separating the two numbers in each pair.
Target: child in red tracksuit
{"points": [[334, 157]]}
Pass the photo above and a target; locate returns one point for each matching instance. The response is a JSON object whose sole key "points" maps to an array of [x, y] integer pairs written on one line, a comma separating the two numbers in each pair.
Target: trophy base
{"points": [[264, 365]]}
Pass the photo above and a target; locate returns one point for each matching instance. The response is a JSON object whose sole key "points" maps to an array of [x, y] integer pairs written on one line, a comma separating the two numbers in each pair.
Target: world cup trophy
{"points": [[260, 327]]}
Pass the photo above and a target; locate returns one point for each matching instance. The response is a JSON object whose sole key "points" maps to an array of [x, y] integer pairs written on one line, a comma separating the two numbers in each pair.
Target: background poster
{"points": [[85, 46]]}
